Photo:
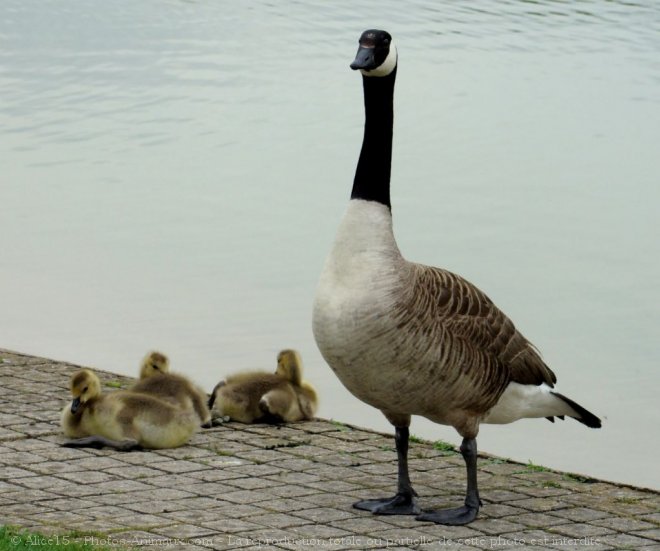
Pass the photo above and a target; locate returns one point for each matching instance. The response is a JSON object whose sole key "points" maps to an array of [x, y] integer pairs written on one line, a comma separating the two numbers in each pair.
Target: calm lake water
{"points": [[173, 173]]}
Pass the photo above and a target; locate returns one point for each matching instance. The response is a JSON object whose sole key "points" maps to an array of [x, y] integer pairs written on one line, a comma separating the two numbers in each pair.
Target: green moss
{"points": [[220, 452], [341, 426], [114, 384], [550, 484], [15, 539], [493, 461], [627, 500]]}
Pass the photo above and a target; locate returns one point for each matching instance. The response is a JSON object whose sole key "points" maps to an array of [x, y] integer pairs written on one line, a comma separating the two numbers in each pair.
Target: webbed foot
{"points": [[99, 442], [458, 516], [398, 505], [220, 421]]}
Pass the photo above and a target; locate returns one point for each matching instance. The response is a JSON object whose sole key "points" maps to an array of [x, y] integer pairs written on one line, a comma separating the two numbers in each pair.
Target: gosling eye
{"points": [[154, 366], [85, 389]]}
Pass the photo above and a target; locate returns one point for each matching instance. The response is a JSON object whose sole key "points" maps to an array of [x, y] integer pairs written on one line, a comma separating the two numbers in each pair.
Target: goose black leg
{"points": [[99, 442], [467, 513], [403, 503]]}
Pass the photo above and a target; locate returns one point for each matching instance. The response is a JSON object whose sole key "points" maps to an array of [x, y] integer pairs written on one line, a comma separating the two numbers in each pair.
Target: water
{"points": [[173, 174]]}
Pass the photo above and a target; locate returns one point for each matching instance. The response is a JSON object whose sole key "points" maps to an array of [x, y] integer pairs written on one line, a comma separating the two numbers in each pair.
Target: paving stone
{"points": [[540, 504], [495, 510], [540, 520], [85, 477], [96, 463], [366, 525], [323, 514], [494, 526], [20, 458], [651, 517], [284, 505], [183, 531], [286, 477], [63, 518], [15, 473], [135, 473], [244, 497], [334, 486], [624, 524], [625, 540], [233, 525], [580, 514], [580, 530], [278, 520], [179, 466], [43, 482], [55, 467], [162, 480], [290, 490], [237, 510]]}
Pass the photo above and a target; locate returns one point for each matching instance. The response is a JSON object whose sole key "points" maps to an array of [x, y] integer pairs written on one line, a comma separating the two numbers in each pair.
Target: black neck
{"points": [[372, 175]]}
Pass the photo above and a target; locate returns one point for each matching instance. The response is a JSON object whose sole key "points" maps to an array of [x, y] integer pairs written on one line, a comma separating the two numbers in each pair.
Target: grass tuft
{"points": [[579, 478], [531, 467], [443, 446]]}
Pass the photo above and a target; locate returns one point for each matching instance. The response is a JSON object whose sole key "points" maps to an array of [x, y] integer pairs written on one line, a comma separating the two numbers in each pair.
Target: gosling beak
{"points": [[364, 59], [75, 405]]}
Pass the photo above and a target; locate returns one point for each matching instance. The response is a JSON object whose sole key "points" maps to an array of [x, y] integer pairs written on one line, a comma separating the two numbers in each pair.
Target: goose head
{"points": [[85, 385], [153, 364], [376, 55]]}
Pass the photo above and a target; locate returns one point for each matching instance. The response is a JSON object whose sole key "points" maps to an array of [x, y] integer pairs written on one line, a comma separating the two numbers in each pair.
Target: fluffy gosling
{"points": [[124, 420], [156, 379], [266, 397]]}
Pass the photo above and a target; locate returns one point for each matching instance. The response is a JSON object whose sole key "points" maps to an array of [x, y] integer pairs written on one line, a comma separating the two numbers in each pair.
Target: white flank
{"points": [[386, 67], [524, 401]]}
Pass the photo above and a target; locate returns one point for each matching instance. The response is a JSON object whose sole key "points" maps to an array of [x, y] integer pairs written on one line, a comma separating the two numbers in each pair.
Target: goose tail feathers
{"points": [[582, 415]]}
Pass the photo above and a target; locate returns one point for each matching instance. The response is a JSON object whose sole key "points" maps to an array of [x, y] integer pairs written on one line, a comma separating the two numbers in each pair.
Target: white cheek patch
{"points": [[386, 67]]}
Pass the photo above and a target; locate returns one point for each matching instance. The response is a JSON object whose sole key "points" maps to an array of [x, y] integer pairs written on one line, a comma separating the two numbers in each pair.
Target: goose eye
{"points": [[85, 389], [154, 366]]}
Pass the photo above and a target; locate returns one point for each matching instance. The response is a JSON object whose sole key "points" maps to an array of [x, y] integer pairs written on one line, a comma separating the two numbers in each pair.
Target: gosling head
{"points": [[376, 55], [289, 366], [153, 364], [85, 385]]}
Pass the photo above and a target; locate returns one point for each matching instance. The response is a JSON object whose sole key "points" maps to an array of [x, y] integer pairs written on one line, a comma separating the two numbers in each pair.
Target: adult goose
{"points": [[411, 339]]}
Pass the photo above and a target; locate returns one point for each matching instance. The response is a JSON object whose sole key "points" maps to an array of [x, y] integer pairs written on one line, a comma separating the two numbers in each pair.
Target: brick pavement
{"points": [[290, 487]]}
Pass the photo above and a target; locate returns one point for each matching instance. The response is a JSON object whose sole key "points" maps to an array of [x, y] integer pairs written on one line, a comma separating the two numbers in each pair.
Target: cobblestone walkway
{"points": [[262, 487]]}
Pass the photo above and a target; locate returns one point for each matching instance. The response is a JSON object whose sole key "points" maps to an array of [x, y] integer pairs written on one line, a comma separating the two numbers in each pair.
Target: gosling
{"points": [[124, 420], [259, 396], [156, 379]]}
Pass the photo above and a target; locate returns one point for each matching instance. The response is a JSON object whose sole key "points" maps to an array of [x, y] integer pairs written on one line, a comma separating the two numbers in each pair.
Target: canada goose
{"points": [[266, 397], [411, 339], [124, 420], [156, 379]]}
